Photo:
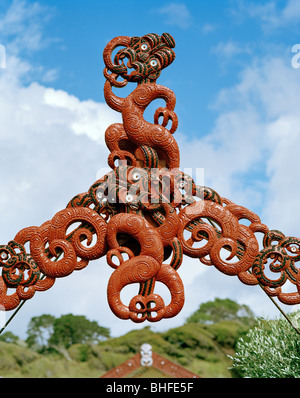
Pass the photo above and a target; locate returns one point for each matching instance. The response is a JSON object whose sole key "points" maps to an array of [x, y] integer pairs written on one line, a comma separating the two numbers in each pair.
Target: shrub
{"points": [[270, 350]]}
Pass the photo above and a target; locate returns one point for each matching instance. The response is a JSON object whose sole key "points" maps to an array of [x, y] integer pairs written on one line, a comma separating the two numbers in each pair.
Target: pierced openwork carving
{"points": [[146, 213]]}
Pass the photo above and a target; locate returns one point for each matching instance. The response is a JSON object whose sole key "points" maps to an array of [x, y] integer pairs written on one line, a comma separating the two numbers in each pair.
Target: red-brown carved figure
{"points": [[146, 213]]}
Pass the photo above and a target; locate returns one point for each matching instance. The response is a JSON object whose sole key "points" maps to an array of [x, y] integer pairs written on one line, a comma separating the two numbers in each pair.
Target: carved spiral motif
{"points": [[146, 213]]}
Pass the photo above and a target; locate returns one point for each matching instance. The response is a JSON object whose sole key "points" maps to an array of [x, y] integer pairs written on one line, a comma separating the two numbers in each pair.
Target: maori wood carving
{"points": [[145, 214]]}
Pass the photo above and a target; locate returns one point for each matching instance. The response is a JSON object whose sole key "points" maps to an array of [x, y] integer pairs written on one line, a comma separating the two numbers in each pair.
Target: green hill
{"points": [[203, 349]]}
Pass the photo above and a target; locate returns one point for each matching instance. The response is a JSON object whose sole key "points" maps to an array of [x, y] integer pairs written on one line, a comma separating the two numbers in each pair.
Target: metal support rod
{"points": [[281, 310], [13, 315], [20, 306]]}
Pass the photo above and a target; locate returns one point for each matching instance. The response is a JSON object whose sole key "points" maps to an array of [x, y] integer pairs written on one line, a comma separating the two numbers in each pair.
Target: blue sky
{"points": [[237, 103]]}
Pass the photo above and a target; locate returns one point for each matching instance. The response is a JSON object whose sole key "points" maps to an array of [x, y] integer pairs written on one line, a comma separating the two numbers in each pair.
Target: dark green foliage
{"points": [[9, 337], [39, 330], [132, 341], [226, 333], [45, 332], [72, 329], [222, 310], [190, 336]]}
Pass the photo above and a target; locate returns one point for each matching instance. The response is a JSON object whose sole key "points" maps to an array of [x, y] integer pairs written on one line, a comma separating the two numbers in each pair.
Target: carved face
{"points": [[146, 55]]}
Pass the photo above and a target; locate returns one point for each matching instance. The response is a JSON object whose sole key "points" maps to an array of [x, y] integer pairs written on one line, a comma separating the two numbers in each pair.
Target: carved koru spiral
{"points": [[146, 213]]}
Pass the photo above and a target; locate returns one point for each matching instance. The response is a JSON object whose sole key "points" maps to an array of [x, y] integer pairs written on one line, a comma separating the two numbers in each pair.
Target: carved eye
{"points": [[153, 62], [144, 46], [99, 195], [129, 198], [136, 176], [4, 256]]}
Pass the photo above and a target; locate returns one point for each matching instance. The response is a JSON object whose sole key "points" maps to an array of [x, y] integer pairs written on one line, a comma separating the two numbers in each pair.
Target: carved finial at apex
{"points": [[146, 55], [137, 141]]}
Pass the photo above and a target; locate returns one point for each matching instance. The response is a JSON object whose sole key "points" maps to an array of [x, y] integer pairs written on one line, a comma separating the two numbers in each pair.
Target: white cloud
{"points": [[22, 24], [229, 49], [257, 132], [22, 34], [208, 28], [273, 88], [270, 15], [177, 14], [86, 117], [292, 11], [52, 146], [251, 157], [231, 52]]}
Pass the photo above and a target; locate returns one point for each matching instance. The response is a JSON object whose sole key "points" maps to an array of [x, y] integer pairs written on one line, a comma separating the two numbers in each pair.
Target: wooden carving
{"points": [[146, 213]]}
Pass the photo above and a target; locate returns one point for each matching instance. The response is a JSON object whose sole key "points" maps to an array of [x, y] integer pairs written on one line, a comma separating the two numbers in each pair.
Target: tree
{"points": [[270, 350], [221, 310], [71, 329], [9, 337], [47, 332], [39, 331]]}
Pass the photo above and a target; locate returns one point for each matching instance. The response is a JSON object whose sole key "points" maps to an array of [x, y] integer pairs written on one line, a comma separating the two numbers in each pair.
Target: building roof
{"points": [[148, 364]]}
